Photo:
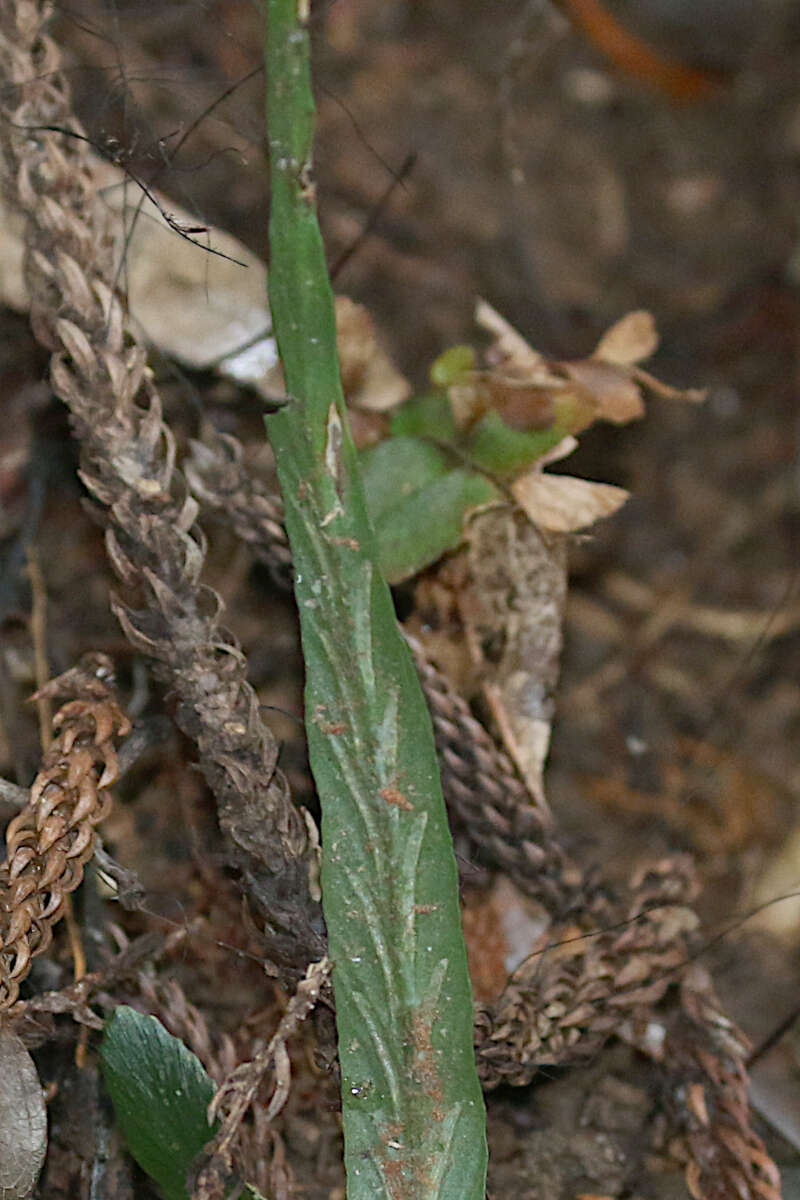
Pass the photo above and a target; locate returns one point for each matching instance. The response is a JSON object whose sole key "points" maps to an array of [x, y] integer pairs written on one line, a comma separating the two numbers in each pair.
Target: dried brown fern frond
{"points": [[593, 980], [50, 841], [101, 373], [707, 1093]]}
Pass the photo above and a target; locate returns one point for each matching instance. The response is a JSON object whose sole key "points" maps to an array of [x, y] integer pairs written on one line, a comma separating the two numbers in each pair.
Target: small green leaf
{"points": [[395, 469], [452, 365], [417, 502], [427, 416], [160, 1092], [496, 447], [421, 527]]}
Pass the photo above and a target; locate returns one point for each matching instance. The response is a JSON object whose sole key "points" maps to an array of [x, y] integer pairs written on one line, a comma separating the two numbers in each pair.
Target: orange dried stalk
{"points": [[50, 841]]}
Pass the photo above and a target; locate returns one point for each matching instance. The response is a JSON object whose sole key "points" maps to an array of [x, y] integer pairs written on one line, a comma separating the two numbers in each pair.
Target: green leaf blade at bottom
{"points": [[161, 1093]]}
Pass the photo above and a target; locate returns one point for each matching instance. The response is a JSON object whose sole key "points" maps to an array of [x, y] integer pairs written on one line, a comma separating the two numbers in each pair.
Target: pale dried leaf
{"points": [[568, 445], [780, 878], [23, 1119], [616, 396], [195, 306], [631, 340], [512, 345], [665, 392], [469, 400], [515, 599], [13, 290], [369, 379], [562, 503], [205, 310]]}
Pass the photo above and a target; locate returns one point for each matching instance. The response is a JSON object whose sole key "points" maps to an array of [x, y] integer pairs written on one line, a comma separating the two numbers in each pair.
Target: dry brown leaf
{"points": [[527, 406], [577, 393], [523, 405], [631, 340], [511, 346], [665, 392], [469, 399], [564, 504], [568, 445], [514, 600], [369, 379], [616, 397], [23, 1119]]}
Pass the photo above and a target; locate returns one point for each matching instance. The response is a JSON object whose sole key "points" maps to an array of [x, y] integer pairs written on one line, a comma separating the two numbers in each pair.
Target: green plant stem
{"points": [[412, 1106]]}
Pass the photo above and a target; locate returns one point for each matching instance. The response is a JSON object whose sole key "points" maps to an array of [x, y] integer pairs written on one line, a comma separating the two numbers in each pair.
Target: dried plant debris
{"points": [[49, 842], [620, 957], [167, 1000], [603, 972], [530, 392], [606, 386], [513, 614], [236, 1093], [505, 821], [101, 373], [219, 479], [34, 1017]]}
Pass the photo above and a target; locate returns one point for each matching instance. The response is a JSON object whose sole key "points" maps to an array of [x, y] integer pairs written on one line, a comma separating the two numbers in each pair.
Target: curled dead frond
{"points": [[33, 1018], [707, 1094], [485, 793], [219, 479], [100, 371], [49, 842], [593, 980]]}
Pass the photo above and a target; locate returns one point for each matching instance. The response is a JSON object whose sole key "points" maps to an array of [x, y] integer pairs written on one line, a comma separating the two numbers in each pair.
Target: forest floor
{"points": [[566, 193]]}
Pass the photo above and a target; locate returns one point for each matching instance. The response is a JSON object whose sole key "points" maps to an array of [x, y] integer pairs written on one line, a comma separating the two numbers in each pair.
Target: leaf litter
{"points": [[674, 693]]}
